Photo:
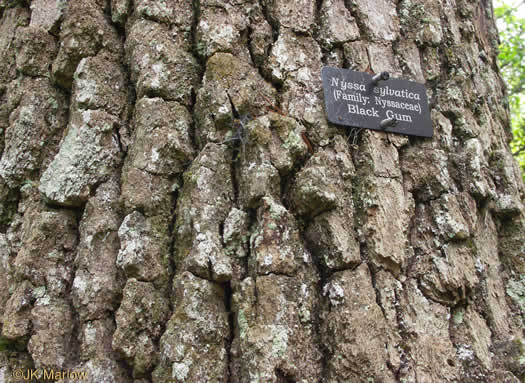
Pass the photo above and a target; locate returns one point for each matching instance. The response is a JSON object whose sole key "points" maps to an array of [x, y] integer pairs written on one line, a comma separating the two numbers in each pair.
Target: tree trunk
{"points": [[175, 206]]}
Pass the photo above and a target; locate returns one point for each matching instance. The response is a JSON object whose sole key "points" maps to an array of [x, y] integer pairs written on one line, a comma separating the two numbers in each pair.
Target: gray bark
{"points": [[163, 218]]}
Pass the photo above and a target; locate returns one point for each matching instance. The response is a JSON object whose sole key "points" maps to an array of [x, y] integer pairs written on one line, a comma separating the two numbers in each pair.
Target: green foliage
{"points": [[512, 61]]}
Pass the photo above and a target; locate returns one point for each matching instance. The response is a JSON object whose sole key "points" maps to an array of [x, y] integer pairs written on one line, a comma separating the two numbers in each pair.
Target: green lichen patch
{"points": [[229, 80], [160, 66], [88, 155], [516, 290]]}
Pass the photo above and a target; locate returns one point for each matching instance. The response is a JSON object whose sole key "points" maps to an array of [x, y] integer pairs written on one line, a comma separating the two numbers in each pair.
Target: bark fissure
{"points": [[231, 323]]}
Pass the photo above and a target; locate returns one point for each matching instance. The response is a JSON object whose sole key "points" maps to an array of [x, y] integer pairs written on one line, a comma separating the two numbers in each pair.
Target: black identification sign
{"points": [[376, 102]]}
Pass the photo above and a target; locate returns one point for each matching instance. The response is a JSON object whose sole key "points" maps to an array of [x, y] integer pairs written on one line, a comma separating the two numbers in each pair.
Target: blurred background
{"points": [[510, 18]]}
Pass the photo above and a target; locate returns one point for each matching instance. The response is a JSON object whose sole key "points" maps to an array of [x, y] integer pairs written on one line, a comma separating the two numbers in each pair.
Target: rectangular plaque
{"points": [[393, 105]]}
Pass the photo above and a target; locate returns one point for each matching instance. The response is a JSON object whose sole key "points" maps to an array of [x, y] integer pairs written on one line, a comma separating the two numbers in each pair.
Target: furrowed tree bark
{"points": [[175, 206]]}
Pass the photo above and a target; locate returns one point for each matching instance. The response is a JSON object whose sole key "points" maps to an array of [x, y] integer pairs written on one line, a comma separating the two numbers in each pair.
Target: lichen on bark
{"points": [[175, 206]]}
